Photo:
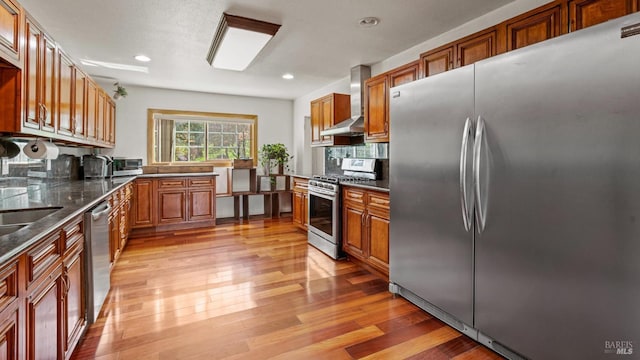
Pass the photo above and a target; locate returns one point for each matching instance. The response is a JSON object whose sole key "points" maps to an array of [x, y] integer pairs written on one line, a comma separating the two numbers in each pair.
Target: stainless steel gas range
{"points": [[325, 217]]}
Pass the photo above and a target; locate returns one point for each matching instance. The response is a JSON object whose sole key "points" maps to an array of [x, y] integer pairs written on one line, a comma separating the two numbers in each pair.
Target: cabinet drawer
{"points": [[380, 201], [172, 183], [40, 258], [73, 232], [300, 185], [201, 182], [353, 195], [8, 285]]}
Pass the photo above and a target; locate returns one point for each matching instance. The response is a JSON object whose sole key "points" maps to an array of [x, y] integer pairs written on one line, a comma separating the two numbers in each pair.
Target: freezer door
{"points": [[557, 263], [430, 249]]}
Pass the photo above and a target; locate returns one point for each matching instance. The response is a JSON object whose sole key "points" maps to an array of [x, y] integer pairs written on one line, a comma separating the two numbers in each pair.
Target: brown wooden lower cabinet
{"points": [[144, 214], [9, 334], [365, 226], [300, 202], [43, 317], [172, 206], [74, 309], [170, 203]]}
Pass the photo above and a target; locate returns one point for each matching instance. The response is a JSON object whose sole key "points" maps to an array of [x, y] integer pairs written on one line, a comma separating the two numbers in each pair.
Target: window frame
{"points": [[151, 126]]}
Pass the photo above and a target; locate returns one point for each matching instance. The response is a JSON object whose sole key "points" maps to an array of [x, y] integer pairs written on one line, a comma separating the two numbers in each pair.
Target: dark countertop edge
{"points": [[178, 175], [6, 257], [374, 185]]}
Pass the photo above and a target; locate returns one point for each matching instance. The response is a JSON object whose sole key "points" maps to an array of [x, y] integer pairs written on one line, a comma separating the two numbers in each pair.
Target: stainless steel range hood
{"points": [[354, 126]]}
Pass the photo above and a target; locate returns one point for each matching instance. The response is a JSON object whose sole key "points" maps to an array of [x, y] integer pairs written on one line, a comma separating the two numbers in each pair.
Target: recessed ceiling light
{"points": [[369, 21], [287, 76], [142, 58]]}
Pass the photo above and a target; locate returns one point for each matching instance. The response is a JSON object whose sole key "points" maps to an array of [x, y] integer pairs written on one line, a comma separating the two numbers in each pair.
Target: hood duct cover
{"points": [[354, 126]]}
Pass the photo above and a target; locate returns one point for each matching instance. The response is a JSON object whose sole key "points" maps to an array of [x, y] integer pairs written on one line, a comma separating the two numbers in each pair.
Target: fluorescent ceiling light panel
{"points": [[238, 41], [115, 66]]}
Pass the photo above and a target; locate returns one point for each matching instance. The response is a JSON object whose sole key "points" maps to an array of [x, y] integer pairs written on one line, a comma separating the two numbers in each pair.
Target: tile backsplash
{"points": [[333, 156]]}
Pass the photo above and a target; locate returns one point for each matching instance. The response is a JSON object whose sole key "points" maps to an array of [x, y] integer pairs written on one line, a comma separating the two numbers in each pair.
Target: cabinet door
{"points": [[533, 27], [316, 122], [111, 111], [43, 313], [101, 128], [378, 235], [298, 202], [172, 206], [436, 61], [305, 210], [9, 29], [91, 115], [79, 94], [353, 236], [404, 74], [48, 91], [143, 203], [33, 37], [65, 112], [202, 204], [476, 47], [9, 335], [74, 300], [327, 117], [585, 13], [375, 110]]}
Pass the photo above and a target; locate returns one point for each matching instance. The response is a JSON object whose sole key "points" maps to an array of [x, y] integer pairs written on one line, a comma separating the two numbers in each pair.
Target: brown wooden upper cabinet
{"points": [[585, 13], [540, 24], [10, 15], [65, 95], [376, 100], [466, 51], [476, 47], [326, 112], [436, 61], [39, 75]]}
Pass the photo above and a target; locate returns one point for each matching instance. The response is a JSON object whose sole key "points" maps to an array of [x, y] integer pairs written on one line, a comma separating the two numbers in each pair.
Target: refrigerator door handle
{"points": [[477, 158], [467, 204]]}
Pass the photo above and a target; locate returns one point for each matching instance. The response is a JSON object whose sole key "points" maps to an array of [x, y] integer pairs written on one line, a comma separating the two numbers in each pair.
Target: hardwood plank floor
{"points": [[257, 291]]}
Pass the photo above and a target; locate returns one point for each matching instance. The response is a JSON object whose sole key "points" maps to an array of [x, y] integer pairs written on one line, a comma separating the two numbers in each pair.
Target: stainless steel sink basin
{"points": [[8, 229], [25, 216]]}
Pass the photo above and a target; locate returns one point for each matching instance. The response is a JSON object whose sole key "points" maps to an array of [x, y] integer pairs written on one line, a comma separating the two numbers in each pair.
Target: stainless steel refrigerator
{"points": [[515, 196]]}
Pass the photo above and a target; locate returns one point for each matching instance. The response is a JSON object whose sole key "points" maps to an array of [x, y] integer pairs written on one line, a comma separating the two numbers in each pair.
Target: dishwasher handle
{"points": [[100, 211]]}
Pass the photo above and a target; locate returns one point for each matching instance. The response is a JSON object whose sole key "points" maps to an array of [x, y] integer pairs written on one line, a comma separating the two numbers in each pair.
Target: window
{"points": [[194, 137]]}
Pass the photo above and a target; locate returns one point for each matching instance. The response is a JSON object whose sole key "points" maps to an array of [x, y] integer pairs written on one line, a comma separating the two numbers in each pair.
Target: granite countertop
{"points": [[178, 175], [377, 185], [75, 198]]}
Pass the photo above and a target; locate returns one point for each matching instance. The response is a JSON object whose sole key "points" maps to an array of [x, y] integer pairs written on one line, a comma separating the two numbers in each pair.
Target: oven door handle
{"points": [[324, 196]]}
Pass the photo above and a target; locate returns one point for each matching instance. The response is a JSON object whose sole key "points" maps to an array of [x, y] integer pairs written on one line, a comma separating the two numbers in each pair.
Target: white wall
{"points": [[274, 122], [308, 160], [301, 106]]}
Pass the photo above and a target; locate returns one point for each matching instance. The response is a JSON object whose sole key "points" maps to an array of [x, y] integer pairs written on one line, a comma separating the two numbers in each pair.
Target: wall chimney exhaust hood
{"points": [[354, 126]]}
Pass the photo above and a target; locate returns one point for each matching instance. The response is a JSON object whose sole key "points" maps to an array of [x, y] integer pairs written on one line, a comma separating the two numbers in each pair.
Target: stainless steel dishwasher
{"points": [[97, 259]]}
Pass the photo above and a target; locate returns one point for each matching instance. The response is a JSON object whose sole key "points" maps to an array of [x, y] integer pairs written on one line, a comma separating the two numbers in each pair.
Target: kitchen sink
{"points": [[24, 216], [8, 229]]}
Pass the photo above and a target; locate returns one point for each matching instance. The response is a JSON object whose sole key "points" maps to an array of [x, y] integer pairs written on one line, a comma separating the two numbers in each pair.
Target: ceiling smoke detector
{"points": [[369, 21]]}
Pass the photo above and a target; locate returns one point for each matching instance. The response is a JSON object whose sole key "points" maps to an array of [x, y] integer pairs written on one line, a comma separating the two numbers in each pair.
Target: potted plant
{"points": [[274, 153], [119, 92]]}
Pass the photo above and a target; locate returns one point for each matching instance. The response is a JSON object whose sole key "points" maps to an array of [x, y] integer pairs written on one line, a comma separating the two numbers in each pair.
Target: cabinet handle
{"points": [[46, 113]]}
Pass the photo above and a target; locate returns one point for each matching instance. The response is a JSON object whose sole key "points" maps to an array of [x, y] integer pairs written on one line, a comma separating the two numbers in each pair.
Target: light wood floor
{"points": [[257, 291]]}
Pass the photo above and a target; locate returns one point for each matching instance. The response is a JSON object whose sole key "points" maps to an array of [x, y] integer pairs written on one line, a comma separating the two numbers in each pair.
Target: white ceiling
{"points": [[319, 41]]}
